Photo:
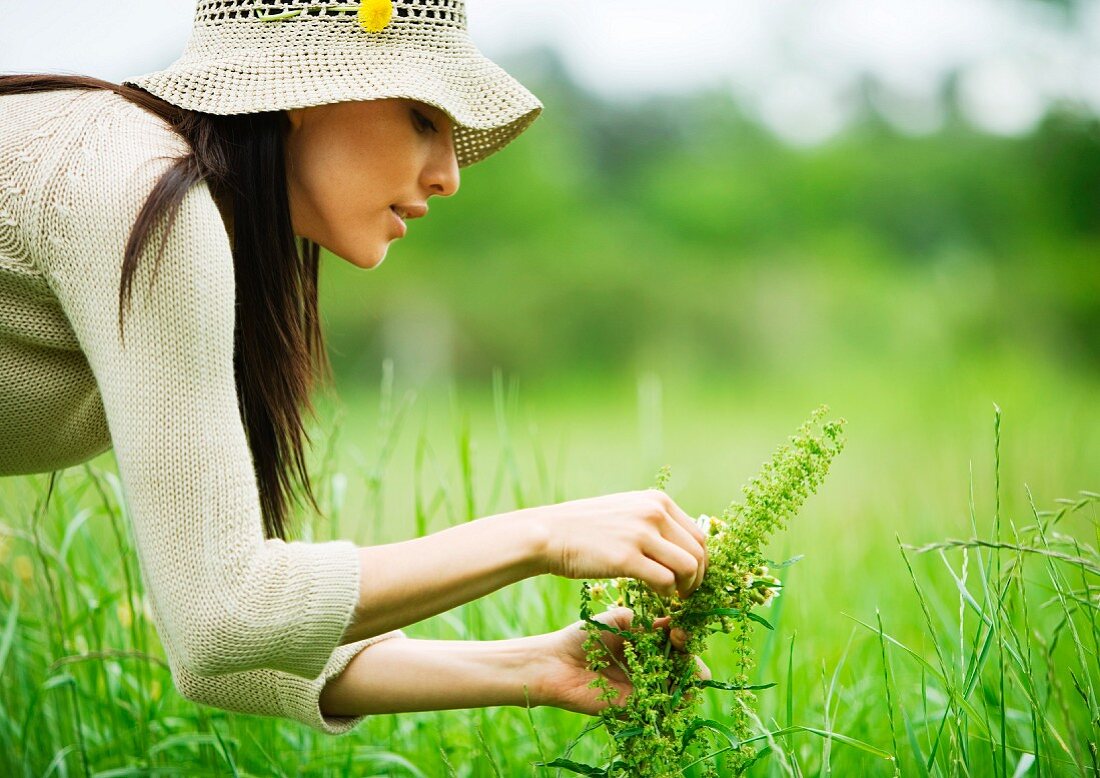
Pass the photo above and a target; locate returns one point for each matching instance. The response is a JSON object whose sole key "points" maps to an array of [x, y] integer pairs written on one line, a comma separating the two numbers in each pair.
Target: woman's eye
{"points": [[423, 121]]}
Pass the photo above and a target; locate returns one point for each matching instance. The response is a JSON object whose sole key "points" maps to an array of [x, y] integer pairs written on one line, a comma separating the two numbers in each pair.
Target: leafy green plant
{"points": [[657, 730]]}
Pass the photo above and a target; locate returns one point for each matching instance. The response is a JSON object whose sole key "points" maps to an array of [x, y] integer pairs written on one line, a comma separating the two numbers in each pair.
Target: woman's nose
{"points": [[442, 174]]}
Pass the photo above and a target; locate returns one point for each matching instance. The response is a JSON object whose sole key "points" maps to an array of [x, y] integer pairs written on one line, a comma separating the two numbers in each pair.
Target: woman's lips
{"points": [[402, 228]]}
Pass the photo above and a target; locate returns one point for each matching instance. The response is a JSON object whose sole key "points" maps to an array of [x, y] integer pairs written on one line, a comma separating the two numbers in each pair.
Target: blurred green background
{"points": [[681, 237], [666, 275]]}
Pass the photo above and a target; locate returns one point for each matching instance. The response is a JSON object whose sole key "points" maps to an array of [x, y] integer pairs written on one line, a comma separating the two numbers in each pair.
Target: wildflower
{"points": [[597, 590], [375, 15], [767, 580], [711, 525]]}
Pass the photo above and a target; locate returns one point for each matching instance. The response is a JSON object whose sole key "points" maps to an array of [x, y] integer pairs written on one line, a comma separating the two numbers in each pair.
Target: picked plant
{"points": [[657, 730]]}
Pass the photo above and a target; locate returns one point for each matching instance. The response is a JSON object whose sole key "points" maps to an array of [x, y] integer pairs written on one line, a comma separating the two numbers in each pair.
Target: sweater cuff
{"points": [[299, 699], [330, 577]]}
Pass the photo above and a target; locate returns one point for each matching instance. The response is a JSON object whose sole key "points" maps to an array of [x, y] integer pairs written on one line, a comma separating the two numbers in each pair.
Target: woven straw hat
{"points": [[246, 56]]}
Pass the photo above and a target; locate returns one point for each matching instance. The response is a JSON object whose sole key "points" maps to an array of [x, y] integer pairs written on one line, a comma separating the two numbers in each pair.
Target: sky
{"points": [[795, 64]]}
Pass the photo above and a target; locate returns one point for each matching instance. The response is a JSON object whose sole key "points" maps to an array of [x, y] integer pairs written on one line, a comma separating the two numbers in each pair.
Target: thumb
{"points": [[620, 617]]}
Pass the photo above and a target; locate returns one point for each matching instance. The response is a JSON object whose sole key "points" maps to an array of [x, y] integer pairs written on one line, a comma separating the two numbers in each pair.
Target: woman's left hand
{"points": [[565, 680]]}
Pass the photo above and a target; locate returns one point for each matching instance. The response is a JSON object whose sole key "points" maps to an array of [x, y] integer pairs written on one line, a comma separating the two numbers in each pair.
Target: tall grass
{"points": [[1012, 686], [975, 656]]}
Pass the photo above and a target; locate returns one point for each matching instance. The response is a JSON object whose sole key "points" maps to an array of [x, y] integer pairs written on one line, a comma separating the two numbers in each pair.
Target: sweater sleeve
{"points": [[274, 693], [227, 600]]}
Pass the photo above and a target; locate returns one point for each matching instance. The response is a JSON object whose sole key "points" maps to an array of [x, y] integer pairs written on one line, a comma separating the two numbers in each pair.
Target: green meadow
{"points": [[86, 689], [626, 289]]}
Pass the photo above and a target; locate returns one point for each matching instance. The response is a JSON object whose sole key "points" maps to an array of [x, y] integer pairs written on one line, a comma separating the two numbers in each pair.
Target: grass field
{"points": [[986, 664]]}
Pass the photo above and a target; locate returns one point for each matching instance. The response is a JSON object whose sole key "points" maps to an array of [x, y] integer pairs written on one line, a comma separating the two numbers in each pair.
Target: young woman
{"points": [[159, 248]]}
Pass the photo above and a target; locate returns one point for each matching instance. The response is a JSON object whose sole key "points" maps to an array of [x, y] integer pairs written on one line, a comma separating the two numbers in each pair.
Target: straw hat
{"points": [[246, 56]]}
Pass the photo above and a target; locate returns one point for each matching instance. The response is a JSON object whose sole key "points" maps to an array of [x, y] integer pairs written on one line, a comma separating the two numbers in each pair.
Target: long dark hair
{"points": [[278, 345]]}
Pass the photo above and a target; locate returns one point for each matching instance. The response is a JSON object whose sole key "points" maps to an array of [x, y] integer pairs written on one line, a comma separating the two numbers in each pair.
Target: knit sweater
{"points": [[248, 624]]}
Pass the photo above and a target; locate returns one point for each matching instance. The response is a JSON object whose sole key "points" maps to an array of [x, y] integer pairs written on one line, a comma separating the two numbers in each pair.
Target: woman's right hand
{"points": [[641, 534]]}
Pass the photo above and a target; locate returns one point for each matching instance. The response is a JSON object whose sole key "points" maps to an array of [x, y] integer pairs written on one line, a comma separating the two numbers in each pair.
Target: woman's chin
{"points": [[367, 260]]}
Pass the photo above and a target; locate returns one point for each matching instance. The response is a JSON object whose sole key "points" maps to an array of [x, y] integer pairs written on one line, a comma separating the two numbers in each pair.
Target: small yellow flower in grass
{"points": [[23, 568], [154, 690], [375, 15], [125, 615]]}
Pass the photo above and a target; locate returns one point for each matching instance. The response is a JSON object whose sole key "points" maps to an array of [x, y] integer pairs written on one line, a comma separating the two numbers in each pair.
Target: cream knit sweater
{"points": [[247, 624]]}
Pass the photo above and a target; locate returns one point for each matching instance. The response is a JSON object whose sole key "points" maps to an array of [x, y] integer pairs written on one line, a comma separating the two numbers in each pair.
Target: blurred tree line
{"points": [[612, 236]]}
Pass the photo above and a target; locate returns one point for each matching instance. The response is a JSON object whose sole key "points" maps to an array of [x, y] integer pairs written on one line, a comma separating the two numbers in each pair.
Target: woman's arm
{"points": [[397, 676], [641, 534], [403, 583]]}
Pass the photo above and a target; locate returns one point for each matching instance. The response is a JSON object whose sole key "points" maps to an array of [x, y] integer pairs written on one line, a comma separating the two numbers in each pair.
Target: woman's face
{"points": [[350, 165]]}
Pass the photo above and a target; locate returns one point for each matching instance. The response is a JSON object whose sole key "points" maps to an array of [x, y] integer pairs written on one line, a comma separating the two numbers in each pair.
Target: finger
{"points": [[704, 671], [686, 522], [620, 618], [658, 576], [679, 562], [678, 637], [673, 531]]}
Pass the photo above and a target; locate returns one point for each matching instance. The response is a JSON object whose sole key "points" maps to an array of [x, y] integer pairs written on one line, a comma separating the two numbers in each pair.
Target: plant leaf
{"points": [[613, 630], [759, 620], [780, 565], [574, 767], [733, 687], [711, 724]]}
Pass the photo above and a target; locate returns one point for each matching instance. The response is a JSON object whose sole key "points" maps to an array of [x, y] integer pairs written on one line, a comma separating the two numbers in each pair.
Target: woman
{"points": [[158, 294]]}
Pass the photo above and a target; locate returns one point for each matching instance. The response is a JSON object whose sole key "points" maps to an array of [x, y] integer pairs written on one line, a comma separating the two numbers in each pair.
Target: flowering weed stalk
{"points": [[657, 731]]}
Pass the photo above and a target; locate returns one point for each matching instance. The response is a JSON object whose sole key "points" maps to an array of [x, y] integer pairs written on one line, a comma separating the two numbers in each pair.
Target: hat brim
{"points": [[488, 107]]}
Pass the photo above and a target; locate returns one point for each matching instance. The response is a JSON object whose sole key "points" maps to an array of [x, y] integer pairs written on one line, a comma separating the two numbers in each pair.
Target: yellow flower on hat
{"points": [[374, 15]]}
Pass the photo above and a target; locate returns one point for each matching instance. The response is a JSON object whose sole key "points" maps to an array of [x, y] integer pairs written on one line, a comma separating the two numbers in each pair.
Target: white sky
{"points": [[794, 63]]}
